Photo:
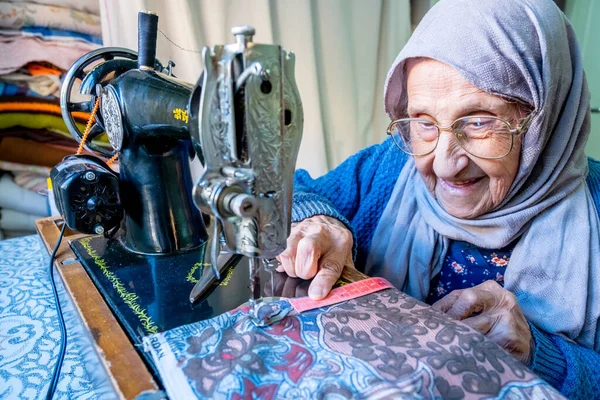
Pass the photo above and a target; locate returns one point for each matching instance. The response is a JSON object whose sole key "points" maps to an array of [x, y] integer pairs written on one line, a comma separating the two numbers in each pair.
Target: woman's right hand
{"points": [[318, 247]]}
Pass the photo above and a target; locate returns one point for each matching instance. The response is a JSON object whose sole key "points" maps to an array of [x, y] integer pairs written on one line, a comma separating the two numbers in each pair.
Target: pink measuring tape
{"points": [[342, 293]]}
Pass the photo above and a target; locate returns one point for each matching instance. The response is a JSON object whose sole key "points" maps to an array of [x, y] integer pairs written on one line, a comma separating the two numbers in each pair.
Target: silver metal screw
{"points": [[243, 34], [99, 229], [169, 68], [265, 74], [90, 176]]}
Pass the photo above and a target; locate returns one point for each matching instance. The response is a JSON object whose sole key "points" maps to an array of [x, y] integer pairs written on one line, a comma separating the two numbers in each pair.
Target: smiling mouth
{"points": [[462, 184]]}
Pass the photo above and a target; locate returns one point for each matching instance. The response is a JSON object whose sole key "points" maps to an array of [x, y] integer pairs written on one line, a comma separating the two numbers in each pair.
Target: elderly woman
{"points": [[478, 203]]}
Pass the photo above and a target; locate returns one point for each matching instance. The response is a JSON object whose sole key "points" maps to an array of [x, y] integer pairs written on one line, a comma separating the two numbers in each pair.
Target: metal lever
{"points": [[254, 69], [262, 313], [203, 287], [215, 247]]}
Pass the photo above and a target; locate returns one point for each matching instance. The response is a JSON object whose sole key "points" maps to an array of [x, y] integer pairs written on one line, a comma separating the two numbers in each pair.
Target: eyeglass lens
{"points": [[487, 137]]}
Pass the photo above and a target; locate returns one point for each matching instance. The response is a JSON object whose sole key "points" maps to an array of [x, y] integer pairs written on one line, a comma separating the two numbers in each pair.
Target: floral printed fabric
{"points": [[467, 265], [382, 345], [29, 335]]}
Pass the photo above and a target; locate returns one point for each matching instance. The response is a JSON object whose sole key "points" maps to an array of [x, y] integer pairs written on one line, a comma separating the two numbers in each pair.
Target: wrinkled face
{"points": [[464, 185]]}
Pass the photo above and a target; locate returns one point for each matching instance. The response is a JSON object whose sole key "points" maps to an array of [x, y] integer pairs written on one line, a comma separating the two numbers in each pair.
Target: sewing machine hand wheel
{"points": [[114, 61]]}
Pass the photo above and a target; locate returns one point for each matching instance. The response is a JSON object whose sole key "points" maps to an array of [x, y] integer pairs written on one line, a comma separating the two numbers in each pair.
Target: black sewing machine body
{"points": [[146, 263], [154, 173]]}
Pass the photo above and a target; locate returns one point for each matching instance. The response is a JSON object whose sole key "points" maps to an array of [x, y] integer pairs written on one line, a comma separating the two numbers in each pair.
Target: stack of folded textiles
{"points": [[39, 41]]}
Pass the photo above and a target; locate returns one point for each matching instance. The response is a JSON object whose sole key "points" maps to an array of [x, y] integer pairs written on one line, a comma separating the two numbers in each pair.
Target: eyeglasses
{"points": [[481, 136]]}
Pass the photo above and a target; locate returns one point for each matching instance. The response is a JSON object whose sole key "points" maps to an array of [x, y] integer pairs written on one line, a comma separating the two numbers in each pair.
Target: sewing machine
{"points": [[163, 251]]}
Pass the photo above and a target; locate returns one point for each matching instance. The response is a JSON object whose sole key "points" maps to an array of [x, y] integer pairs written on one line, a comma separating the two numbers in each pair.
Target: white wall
{"points": [[584, 15]]}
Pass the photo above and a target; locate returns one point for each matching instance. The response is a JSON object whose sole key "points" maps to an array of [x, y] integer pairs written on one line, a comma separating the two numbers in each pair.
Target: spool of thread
{"points": [[147, 34]]}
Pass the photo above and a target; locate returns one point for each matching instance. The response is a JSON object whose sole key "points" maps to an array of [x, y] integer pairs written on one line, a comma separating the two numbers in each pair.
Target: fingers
{"points": [[480, 298], [506, 327], [464, 303], [484, 323], [288, 257], [308, 253], [331, 270], [513, 334], [446, 303], [469, 302], [309, 241], [500, 319], [318, 247]]}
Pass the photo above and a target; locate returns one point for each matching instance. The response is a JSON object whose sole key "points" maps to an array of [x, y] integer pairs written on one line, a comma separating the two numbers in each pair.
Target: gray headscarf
{"points": [[523, 50]]}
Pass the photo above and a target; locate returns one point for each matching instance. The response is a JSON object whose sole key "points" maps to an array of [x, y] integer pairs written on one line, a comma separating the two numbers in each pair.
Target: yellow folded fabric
{"points": [[48, 108], [40, 121]]}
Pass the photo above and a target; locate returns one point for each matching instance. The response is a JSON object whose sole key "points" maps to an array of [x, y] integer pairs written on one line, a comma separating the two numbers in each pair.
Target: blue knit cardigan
{"points": [[356, 193]]}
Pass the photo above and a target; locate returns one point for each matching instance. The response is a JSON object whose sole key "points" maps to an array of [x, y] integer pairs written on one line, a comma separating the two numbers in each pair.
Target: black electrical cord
{"points": [[61, 321]]}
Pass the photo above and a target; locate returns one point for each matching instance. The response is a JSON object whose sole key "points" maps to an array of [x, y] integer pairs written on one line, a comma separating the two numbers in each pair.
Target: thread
{"points": [[112, 159], [88, 127], [178, 46]]}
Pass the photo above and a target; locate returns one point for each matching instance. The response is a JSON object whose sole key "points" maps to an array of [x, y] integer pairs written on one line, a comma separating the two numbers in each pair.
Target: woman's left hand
{"points": [[493, 311]]}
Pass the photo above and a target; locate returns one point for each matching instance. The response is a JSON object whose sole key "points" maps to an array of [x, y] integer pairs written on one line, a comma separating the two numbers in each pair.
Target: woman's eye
{"points": [[478, 124], [426, 126]]}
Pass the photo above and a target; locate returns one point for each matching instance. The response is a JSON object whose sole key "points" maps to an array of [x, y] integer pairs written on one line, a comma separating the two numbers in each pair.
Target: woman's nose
{"points": [[449, 157]]}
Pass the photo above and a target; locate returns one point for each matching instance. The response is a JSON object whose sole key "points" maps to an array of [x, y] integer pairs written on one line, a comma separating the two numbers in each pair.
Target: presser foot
{"points": [[264, 310], [268, 312]]}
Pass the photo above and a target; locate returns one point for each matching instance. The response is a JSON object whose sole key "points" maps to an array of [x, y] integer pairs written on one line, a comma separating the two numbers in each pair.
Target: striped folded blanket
{"points": [[20, 15]]}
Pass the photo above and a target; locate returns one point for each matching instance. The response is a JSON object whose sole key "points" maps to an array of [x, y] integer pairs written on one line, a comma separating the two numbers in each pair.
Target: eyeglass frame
{"points": [[516, 131]]}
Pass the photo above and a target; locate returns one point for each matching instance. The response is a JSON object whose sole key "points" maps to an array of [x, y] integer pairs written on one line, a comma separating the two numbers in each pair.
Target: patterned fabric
{"points": [[29, 335], [19, 15], [467, 265], [383, 345]]}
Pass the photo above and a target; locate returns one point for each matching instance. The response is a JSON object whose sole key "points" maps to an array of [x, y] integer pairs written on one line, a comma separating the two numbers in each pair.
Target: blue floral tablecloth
{"points": [[29, 333]]}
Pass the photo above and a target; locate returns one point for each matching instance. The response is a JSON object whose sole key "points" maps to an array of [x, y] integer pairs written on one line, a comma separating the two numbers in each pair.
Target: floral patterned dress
{"points": [[467, 265]]}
